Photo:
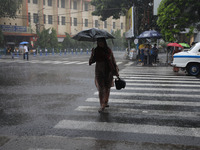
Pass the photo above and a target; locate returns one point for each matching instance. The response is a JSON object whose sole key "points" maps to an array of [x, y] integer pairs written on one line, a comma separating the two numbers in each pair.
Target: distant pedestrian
{"points": [[154, 53], [25, 51], [176, 50], [46, 51]]}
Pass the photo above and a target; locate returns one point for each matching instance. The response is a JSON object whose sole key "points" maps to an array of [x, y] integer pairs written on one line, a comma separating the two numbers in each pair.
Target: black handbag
{"points": [[120, 83]]}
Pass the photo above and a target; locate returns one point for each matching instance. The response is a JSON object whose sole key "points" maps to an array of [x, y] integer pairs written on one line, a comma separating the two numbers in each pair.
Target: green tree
{"points": [[176, 15], [67, 42], [8, 8], [47, 39], [43, 39], [53, 39], [116, 8]]}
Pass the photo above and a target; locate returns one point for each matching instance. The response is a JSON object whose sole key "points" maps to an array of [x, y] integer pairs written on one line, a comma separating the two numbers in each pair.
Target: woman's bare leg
{"points": [[102, 97], [107, 94]]}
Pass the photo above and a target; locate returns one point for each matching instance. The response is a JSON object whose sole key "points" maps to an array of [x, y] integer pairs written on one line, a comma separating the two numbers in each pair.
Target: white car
{"points": [[189, 60]]}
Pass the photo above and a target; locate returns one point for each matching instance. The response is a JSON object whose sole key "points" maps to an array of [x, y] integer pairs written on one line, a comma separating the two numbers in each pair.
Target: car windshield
{"points": [[191, 47]]}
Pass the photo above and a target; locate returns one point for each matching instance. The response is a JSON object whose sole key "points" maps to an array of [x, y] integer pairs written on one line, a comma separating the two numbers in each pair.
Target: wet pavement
{"points": [[51, 103]]}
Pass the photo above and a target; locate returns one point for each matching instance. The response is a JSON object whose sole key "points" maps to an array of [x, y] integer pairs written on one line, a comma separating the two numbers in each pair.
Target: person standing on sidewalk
{"points": [[25, 51]]}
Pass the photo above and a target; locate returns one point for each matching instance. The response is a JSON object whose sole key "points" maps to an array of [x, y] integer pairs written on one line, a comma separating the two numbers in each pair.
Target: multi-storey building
{"points": [[70, 16]]}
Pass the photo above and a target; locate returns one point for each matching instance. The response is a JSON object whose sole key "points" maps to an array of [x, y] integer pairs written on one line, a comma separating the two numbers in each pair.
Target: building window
{"points": [[29, 1], [75, 21], [113, 25], [105, 24], [50, 20], [58, 19], [35, 1], [86, 6], [29, 17], [62, 3], [122, 26], [43, 2], [35, 18], [86, 22], [63, 20], [44, 17], [96, 23], [71, 21], [75, 5], [49, 2], [58, 3]]}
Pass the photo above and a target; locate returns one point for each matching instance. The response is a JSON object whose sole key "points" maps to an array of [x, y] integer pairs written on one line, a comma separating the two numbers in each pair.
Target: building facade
{"points": [[70, 16]]}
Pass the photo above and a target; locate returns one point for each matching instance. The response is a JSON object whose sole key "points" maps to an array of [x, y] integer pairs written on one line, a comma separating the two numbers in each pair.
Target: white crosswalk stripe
{"points": [[130, 128], [48, 62], [150, 96], [145, 112], [146, 102]]}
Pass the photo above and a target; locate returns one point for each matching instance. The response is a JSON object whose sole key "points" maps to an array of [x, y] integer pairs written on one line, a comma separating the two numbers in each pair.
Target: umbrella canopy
{"points": [[24, 42], [174, 45], [142, 46], [92, 35], [150, 34], [185, 45]]}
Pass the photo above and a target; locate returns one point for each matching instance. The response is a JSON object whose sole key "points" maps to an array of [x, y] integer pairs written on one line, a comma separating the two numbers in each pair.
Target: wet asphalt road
{"points": [[51, 103]]}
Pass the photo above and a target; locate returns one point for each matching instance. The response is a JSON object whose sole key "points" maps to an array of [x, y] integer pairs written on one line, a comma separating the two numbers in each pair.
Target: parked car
{"points": [[188, 60]]}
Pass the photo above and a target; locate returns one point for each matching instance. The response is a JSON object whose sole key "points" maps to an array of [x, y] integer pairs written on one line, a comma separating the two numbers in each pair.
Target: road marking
{"points": [[118, 63], [143, 112], [127, 128], [129, 64], [161, 81], [147, 102], [153, 94], [158, 77], [83, 63], [41, 149], [161, 89], [73, 62], [56, 62], [163, 85]]}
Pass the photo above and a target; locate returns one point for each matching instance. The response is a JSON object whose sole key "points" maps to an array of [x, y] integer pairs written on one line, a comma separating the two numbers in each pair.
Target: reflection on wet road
{"points": [[52, 104]]}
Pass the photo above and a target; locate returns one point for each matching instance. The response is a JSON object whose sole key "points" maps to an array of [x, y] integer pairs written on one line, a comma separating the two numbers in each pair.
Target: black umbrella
{"points": [[150, 34], [92, 35]]}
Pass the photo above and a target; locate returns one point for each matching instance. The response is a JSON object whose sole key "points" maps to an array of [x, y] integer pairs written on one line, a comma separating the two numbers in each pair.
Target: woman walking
{"points": [[105, 69]]}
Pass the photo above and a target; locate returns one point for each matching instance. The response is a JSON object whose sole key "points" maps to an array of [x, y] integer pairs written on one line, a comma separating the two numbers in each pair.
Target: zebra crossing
{"points": [[161, 107], [54, 62]]}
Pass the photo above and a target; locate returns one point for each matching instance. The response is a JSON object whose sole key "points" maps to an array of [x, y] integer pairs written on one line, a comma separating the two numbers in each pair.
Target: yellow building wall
{"points": [[68, 12]]}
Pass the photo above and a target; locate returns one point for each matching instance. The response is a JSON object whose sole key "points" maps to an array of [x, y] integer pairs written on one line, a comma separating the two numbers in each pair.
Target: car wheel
{"points": [[193, 69]]}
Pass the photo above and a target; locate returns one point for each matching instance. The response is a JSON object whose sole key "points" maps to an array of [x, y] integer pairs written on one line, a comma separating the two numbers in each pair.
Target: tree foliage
{"points": [[8, 8], [176, 15], [69, 43], [116, 8], [47, 39]]}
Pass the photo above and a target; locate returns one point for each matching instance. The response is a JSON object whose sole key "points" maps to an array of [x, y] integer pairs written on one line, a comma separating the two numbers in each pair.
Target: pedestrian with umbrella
{"points": [[105, 69], [106, 66], [25, 51], [176, 50]]}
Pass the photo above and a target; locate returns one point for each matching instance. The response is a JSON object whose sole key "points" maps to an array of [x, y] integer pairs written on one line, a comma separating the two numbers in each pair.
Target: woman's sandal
{"points": [[101, 110], [106, 105]]}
